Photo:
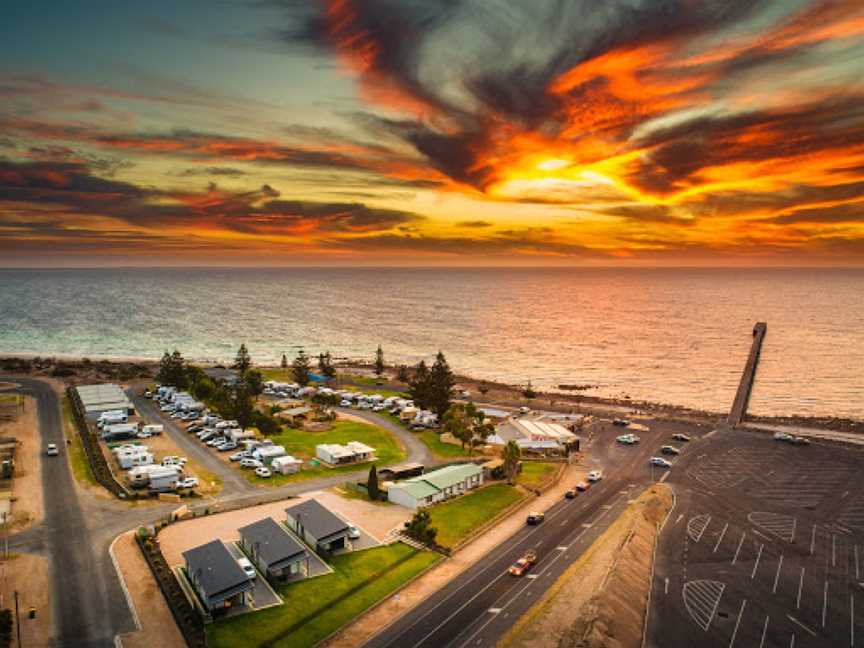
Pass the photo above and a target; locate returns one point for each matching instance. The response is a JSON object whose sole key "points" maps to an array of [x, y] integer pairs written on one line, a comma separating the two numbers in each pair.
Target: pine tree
{"points": [[441, 386], [300, 368], [284, 361], [402, 374], [379, 361], [420, 386], [172, 370], [372, 483], [242, 361]]}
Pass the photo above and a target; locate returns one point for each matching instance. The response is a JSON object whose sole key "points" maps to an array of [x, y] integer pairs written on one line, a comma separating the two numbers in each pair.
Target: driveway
{"points": [[417, 450]]}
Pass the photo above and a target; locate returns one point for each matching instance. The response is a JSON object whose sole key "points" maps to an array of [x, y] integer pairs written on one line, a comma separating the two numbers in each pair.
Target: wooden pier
{"points": [[742, 398]]}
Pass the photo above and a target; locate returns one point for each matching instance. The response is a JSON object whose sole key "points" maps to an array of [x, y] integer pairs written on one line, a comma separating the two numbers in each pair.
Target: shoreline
{"points": [[498, 393]]}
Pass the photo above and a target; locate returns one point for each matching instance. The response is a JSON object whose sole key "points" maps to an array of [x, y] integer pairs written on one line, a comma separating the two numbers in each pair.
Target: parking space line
{"points": [[851, 619], [813, 540], [799, 624], [792, 641], [764, 630], [777, 577], [825, 604], [737, 623], [723, 533], [756, 565], [833, 550], [735, 557], [800, 586]]}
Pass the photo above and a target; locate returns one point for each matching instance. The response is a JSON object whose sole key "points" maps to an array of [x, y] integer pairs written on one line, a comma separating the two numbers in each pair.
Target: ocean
{"points": [[677, 336]]}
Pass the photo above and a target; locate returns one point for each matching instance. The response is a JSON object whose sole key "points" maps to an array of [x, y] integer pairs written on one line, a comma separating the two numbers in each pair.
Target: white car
{"points": [[353, 532], [262, 471], [660, 461], [247, 568], [189, 482], [238, 456], [173, 460], [628, 439], [595, 475], [345, 403], [51, 450], [782, 436], [167, 408], [249, 462]]}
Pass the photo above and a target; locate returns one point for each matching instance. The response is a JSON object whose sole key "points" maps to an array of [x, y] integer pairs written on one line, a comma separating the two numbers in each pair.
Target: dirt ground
{"points": [[27, 508], [28, 574], [363, 627], [600, 601], [177, 538], [157, 625]]}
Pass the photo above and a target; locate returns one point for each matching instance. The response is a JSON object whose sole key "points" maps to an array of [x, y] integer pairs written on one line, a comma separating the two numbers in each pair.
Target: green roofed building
{"points": [[436, 486]]}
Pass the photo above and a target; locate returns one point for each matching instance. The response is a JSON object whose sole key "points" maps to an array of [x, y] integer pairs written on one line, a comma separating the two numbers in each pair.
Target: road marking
{"points": [[533, 576], [494, 610], [813, 540], [701, 598], [720, 539], [764, 630], [564, 522], [562, 548], [777, 577], [824, 603], [756, 566], [856, 562], [792, 641], [851, 619], [737, 623], [587, 525], [678, 519], [735, 557], [800, 586], [666, 587], [782, 526], [797, 622], [833, 550], [697, 525]]}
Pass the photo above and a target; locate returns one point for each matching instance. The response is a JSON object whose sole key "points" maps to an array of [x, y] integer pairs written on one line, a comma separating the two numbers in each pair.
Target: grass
{"points": [[316, 607], [301, 444], [431, 440], [456, 519], [278, 374], [535, 473], [77, 456]]}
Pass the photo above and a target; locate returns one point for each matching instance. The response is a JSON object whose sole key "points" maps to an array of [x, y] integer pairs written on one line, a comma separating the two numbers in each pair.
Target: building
{"points": [[402, 471], [436, 486], [285, 465], [320, 528], [295, 415], [217, 578], [524, 429], [274, 550], [352, 452], [95, 399]]}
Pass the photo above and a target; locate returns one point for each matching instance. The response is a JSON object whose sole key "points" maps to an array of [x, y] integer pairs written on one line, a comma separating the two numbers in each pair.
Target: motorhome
{"points": [[128, 460], [155, 476], [153, 429], [119, 431], [112, 417]]}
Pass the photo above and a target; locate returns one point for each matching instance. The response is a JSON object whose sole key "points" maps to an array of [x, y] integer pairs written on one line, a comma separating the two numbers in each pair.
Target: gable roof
{"points": [[271, 542], [215, 570], [417, 489], [449, 475], [318, 521]]}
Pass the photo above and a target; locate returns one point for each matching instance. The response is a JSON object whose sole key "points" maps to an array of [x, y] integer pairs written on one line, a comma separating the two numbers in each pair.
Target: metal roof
{"points": [[417, 489], [320, 522], [271, 542], [215, 570], [449, 475]]}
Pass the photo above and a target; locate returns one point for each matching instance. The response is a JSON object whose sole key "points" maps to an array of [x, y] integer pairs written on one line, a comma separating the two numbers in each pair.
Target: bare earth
{"points": [[28, 574], [27, 508], [365, 626], [601, 600], [157, 625]]}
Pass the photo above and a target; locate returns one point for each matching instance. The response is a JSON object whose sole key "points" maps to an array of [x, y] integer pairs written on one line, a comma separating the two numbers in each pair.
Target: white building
{"points": [[436, 486], [285, 465], [352, 452]]}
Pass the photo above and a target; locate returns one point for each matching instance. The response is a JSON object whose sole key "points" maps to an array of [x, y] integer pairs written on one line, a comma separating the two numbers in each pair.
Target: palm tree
{"points": [[511, 456]]}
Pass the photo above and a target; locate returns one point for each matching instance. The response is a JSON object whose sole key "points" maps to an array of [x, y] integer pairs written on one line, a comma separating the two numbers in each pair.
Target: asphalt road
{"points": [[88, 606], [764, 547], [482, 604]]}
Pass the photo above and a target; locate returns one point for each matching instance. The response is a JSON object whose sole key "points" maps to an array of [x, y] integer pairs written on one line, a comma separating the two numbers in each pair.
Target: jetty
{"points": [[742, 398]]}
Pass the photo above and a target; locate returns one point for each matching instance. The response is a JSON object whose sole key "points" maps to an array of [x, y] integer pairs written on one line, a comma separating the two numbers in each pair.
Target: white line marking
{"points": [[856, 562], [678, 519], [825, 604], [737, 623], [833, 550], [794, 526], [756, 566], [735, 557], [720, 539], [777, 577], [494, 610], [796, 621], [666, 586], [800, 585], [813, 540], [792, 641], [851, 619], [764, 630]]}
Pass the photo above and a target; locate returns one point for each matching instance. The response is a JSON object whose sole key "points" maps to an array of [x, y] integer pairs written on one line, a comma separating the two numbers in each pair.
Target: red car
{"points": [[582, 487], [523, 564]]}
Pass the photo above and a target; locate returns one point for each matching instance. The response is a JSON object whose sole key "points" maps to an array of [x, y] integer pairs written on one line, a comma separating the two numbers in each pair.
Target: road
{"points": [[479, 606]]}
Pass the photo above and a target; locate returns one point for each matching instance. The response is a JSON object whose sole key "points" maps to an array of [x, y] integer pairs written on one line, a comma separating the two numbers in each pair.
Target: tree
{"points": [[402, 374], [300, 368], [466, 423], [420, 386], [172, 370], [441, 386], [242, 361], [325, 365], [420, 527], [372, 483], [284, 361], [529, 392], [379, 361], [255, 382], [511, 456], [483, 389]]}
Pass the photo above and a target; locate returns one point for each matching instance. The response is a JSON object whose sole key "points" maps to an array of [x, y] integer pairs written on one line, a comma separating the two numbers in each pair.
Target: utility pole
{"points": [[17, 620]]}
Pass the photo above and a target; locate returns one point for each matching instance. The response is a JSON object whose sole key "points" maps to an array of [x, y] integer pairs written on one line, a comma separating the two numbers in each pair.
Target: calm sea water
{"points": [[674, 336]]}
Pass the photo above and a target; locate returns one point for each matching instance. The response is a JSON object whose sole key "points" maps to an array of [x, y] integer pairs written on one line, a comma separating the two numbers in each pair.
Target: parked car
{"points": [[595, 475], [248, 569], [194, 428], [144, 435], [226, 446], [582, 486], [660, 461], [238, 456], [570, 493], [167, 408], [782, 436], [627, 439], [797, 440], [189, 482], [148, 393], [535, 517], [262, 471], [353, 532], [522, 565], [670, 450], [621, 422], [216, 441], [173, 460], [249, 462], [51, 450], [345, 403], [680, 437]]}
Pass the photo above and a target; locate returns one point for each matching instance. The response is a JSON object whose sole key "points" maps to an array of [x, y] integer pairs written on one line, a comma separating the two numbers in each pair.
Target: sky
{"points": [[432, 132]]}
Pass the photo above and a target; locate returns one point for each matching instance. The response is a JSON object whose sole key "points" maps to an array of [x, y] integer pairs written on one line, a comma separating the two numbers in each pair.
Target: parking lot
{"points": [[763, 547]]}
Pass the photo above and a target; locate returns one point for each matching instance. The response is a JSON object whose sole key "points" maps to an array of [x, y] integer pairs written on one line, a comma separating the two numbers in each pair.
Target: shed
{"points": [[285, 465]]}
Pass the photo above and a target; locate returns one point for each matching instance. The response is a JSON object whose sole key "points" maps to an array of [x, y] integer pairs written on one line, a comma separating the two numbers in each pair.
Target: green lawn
{"points": [[301, 444], [77, 456], [431, 440], [279, 374], [535, 473], [456, 519], [314, 608]]}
